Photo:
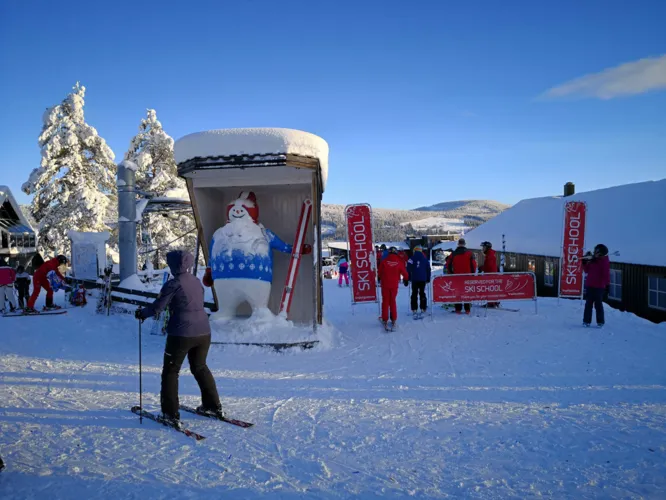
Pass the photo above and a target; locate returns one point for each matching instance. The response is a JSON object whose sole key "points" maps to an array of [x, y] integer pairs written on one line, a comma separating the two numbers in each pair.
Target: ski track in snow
{"points": [[510, 405]]}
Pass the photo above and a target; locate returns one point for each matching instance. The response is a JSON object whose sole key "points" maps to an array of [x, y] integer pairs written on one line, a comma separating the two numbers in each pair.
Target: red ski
{"points": [[292, 274]]}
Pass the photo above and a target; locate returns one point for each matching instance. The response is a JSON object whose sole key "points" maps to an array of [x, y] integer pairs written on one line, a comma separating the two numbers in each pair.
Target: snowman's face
{"points": [[238, 212]]}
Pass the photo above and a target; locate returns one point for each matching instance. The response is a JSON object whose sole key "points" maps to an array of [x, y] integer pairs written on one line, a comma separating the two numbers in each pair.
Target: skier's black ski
{"points": [[278, 346], [36, 313], [232, 421], [137, 410], [2, 464]]}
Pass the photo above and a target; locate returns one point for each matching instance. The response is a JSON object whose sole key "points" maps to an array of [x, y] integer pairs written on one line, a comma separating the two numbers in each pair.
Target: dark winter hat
{"points": [[20, 269], [462, 242], [601, 249], [62, 259], [383, 247], [486, 244], [393, 250]]}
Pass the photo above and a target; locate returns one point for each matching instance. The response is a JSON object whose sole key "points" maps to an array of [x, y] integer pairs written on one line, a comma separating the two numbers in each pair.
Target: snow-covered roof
{"points": [[253, 141], [24, 226], [629, 219]]}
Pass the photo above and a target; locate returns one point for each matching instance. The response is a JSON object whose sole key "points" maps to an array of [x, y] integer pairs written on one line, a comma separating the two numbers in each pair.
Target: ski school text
{"points": [[361, 253], [573, 249]]}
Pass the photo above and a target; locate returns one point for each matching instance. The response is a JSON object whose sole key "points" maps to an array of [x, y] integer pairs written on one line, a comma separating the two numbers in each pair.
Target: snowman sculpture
{"points": [[241, 260]]}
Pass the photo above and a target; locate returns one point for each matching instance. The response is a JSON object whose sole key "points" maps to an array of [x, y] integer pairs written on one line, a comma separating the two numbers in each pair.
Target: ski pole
{"points": [[140, 375]]}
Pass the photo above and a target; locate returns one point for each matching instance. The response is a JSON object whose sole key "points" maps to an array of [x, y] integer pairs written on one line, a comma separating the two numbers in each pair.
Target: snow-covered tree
{"points": [[152, 151], [75, 176]]}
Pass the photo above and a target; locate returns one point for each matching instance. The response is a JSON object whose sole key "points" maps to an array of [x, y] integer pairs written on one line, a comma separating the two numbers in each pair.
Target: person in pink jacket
{"points": [[597, 268]]}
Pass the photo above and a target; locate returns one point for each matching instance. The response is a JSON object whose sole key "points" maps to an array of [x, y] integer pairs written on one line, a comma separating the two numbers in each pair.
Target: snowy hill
{"points": [[468, 209], [395, 225]]}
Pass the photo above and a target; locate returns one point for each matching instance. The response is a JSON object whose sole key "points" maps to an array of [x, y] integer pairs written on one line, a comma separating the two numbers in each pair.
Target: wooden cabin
{"points": [[18, 240], [629, 219]]}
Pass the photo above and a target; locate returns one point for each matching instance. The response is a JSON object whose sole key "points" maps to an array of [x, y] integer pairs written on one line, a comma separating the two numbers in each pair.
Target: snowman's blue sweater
{"points": [[240, 265]]}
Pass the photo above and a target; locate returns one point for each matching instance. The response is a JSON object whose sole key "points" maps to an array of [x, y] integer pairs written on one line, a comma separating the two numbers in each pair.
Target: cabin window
{"points": [[615, 288], [548, 273], [657, 292], [531, 265], [512, 262]]}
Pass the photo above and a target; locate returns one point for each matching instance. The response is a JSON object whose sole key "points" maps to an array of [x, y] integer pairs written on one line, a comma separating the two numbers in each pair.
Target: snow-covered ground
{"points": [[512, 405]]}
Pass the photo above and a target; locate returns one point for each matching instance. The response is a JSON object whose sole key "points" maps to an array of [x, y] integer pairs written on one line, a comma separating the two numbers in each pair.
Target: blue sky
{"points": [[420, 102]]}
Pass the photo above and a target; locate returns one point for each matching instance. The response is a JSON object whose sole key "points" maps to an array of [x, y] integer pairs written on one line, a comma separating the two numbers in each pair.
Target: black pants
{"points": [[23, 294], [459, 307], [594, 297], [418, 292], [196, 350]]}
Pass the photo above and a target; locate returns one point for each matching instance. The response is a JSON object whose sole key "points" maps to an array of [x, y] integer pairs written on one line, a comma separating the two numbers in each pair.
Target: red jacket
{"points": [[462, 262], [598, 272], [391, 270], [489, 262], [49, 265], [7, 277]]}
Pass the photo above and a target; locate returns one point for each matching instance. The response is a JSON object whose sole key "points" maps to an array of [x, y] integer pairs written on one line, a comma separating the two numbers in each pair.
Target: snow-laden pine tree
{"points": [[152, 151], [75, 176]]}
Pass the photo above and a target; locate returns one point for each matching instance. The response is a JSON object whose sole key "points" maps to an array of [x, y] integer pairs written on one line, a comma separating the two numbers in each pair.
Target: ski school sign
{"points": [[573, 242], [361, 253], [491, 287]]}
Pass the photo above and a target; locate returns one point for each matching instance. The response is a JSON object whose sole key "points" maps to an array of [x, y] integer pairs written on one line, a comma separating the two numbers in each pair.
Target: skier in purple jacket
{"points": [[188, 334], [597, 268]]}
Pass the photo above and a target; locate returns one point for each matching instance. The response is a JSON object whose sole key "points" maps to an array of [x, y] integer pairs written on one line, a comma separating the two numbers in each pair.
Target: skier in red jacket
{"points": [[462, 262], [391, 270], [489, 264], [40, 280]]}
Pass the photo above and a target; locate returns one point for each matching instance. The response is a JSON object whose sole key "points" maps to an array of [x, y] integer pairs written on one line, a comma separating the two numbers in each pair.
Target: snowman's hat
{"points": [[249, 201]]}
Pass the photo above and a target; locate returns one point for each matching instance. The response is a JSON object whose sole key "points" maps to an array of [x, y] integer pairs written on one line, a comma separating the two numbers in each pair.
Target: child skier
{"points": [[7, 278], [418, 267], [391, 270], [40, 280], [22, 286], [343, 270], [489, 264], [188, 334]]}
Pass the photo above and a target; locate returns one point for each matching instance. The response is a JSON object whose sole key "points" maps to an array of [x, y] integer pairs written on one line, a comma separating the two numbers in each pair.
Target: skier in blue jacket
{"points": [[188, 335], [418, 267]]}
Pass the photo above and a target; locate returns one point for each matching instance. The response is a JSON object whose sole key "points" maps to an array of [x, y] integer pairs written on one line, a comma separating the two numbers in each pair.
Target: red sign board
{"points": [[361, 253], [573, 242], [457, 288]]}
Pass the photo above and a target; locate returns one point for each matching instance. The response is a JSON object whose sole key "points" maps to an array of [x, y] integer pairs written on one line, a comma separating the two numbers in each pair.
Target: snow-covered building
{"points": [[629, 219], [18, 238], [282, 168]]}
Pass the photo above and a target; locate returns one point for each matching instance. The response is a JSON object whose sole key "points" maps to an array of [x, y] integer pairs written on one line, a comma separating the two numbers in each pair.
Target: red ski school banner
{"points": [[573, 242], [458, 288], [361, 253]]}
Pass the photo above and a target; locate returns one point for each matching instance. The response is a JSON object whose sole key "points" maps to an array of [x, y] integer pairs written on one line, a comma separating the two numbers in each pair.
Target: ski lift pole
{"points": [[140, 374]]}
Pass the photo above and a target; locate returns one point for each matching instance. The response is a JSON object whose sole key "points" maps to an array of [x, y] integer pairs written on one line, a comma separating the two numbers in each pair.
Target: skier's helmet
{"points": [[383, 247], [62, 259], [601, 250], [486, 245], [393, 250]]}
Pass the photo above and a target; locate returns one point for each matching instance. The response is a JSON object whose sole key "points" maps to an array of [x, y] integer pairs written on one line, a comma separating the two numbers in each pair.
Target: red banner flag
{"points": [[457, 288], [573, 242], [361, 253]]}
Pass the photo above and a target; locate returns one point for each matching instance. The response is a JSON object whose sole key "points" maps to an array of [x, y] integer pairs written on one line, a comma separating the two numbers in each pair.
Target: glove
{"points": [[208, 278], [306, 249], [405, 282], [137, 315]]}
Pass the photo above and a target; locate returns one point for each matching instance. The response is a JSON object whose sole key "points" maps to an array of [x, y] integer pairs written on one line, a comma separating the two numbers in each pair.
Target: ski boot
{"points": [[415, 314], [30, 310], [586, 325], [391, 326], [172, 420], [600, 325], [52, 307], [214, 412]]}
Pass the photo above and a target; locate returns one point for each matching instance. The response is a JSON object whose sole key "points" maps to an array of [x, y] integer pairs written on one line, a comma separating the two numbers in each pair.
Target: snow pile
{"points": [[94, 238], [253, 141], [534, 226], [265, 327], [179, 193], [132, 283]]}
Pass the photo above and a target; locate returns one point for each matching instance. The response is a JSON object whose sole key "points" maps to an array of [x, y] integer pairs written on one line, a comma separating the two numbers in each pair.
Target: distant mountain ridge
{"points": [[396, 225]]}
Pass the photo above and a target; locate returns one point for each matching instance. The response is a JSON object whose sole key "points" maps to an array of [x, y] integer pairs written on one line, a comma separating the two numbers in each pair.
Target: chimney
{"points": [[569, 189]]}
